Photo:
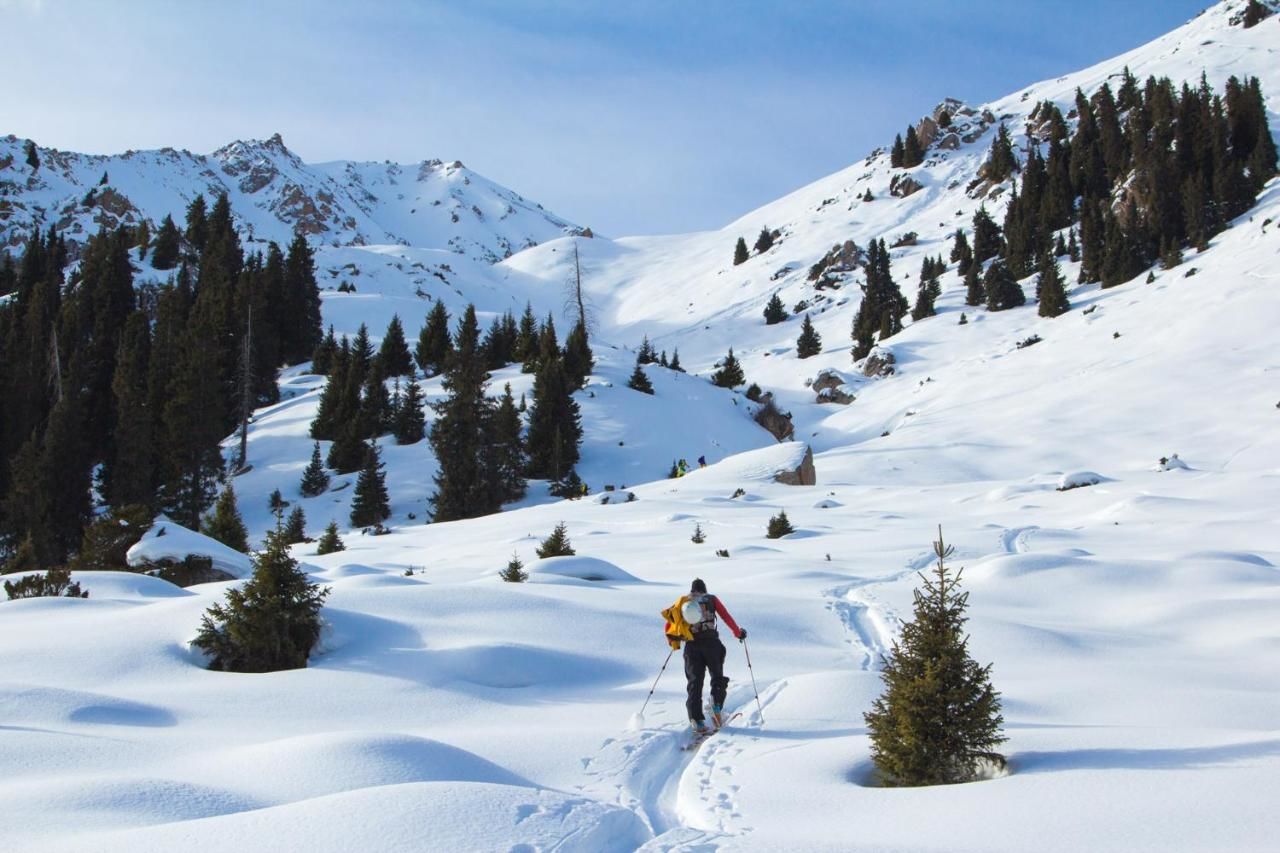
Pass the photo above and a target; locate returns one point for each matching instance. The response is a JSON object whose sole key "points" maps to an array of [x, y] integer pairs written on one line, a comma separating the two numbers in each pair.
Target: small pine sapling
{"points": [[779, 526], [514, 572], [330, 542], [698, 536], [557, 544]]}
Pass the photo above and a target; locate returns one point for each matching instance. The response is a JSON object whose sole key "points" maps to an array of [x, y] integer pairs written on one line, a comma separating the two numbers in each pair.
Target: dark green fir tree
{"points": [[370, 505], [225, 524], [330, 542], [810, 342], [295, 527], [393, 355], [639, 381], [774, 311], [740, 252], [315, 480], [557, 544], [939, 717], [270, 623], [729, 374]]}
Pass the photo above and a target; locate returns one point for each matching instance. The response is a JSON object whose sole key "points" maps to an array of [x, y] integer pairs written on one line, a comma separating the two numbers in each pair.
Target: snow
{"points": [[1131, 625], [167, 540]]}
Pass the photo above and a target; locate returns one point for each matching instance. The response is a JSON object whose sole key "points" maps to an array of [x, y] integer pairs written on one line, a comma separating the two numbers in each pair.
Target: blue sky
{"points": [[647, 116]]}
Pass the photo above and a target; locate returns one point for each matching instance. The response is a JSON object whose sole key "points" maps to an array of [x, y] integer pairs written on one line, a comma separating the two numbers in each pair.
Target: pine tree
{"points": [[639, 381], [987, 242], [883, 305], [896, 153], [525, 348], [167, 246], [939, 716], [315, 480], [961, 254], [276, 502], [779, 526], [765, 241], [393, 356], [301, 327], [410, 420], [465, 483], [507, 454], [912, 152], [369, 504], [31, 155], [1050, 289], [197, 225], [56, 582], [557, 544], [514, 572], [270, 623], [774, 311], [330, 542], [646, 355], [295, 529], [1001, 162], [730, 374], [974, 292], [810, 342], [129, 476], [675, 361], [578, 360], [225, 524], [740, 253], [698, 536], [434, 342], [326, 351], [348, 450], [1002, 289]]}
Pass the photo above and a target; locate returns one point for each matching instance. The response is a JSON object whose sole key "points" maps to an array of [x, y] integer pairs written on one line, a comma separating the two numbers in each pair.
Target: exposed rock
{"points": [[904, 185], [879, 362], [950, 142], [188, 572], [803, 474], [831, 387], [926, 131], [774, 419]]}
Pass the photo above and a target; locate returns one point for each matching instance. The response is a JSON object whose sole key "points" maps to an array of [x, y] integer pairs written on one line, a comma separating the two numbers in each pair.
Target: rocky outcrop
{"points": [[804, 474], [904, 185], [880, 362], [831, 387], [773, 419]]}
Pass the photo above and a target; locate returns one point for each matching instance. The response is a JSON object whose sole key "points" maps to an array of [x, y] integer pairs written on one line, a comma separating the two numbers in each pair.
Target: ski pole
{"points": [[655, 681], [753, 680]]}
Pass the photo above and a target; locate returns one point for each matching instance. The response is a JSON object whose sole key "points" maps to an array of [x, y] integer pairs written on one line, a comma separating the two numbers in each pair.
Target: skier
{"points": [[682, 468], [692, 619], [702, 462]]}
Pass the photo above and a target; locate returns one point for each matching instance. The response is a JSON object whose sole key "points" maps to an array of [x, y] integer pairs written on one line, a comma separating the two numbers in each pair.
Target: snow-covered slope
{"points": [[1131, 623]]}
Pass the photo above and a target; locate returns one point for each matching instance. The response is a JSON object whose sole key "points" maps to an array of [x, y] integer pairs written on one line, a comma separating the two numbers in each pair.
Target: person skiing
{"points": [[692, 620], [682, 468], [702, 462]]}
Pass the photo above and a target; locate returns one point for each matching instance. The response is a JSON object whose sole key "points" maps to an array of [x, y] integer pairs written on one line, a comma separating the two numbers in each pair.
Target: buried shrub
{"points": [[53, 583], [938, 719]]}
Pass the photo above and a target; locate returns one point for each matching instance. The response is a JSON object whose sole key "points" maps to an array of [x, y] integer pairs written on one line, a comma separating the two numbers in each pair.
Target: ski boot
{"points": [[699, 728], [717, 716]]}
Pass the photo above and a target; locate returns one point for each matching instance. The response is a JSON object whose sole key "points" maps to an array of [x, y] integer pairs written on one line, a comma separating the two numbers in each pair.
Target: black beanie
{"points": [[698, 586]]}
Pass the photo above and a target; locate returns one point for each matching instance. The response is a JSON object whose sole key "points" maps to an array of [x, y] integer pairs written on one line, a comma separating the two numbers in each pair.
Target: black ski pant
{"points": [[701, 654]]}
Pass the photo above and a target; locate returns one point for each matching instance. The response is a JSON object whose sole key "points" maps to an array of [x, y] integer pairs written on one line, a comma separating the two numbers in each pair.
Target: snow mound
{"points": [[414, 816], [754, 465], [1080, 479], [560, 569], [127, 586], [168, 540], [310, 766]]}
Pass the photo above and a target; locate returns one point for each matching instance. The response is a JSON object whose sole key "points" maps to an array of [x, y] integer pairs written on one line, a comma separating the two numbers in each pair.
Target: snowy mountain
{"points": [[273, 194], [1130, 623]]}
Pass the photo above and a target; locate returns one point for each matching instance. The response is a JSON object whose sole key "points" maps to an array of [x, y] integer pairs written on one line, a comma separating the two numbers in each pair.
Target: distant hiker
{"points": [[585, 490], [692, 620], [702, 462], [682, 468]]}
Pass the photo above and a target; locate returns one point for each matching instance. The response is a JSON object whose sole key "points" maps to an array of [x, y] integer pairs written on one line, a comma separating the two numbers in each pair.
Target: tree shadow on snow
{"points": [[1173, 758]]}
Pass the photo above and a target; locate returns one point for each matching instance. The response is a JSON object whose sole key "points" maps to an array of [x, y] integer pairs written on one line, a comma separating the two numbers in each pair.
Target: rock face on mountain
{"points": [[273, 195]]}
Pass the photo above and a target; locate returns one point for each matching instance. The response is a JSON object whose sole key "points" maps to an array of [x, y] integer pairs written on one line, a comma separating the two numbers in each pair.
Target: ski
{"points": [[699, 738]]}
